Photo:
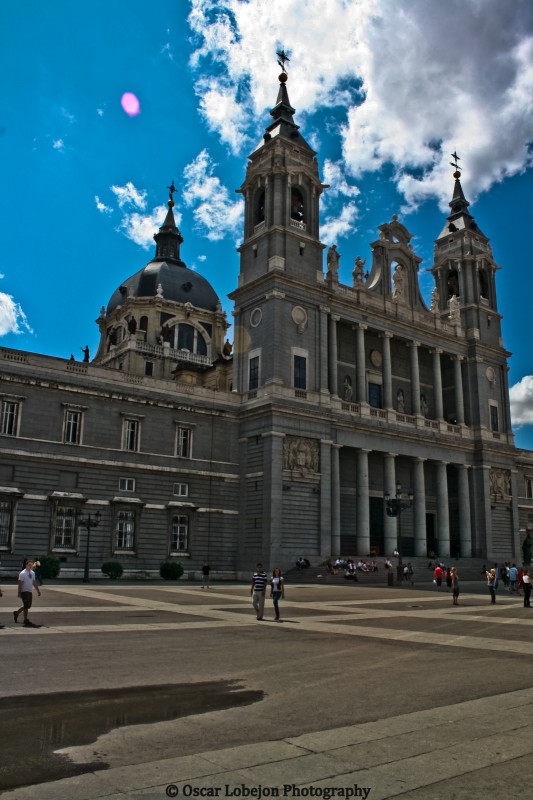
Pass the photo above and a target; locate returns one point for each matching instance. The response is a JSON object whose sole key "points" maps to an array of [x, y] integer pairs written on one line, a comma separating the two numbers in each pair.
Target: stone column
{"points": [[387, 370], [335, 500], [332, 357], [419, 507], [325, 498], [324, 371], [415, 378], [437, 383], [363, 506], [458, 380], [443, 517], [360, 367], [389, 484], [465, 529], [272, 498]]}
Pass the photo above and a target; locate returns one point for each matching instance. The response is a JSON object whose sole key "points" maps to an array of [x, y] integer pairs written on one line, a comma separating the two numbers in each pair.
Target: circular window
{"points": [[255, 317]]}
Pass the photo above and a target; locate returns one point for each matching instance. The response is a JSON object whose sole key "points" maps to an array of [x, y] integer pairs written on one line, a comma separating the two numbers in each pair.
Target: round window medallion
{"points": [[491, 375], [255, 317], [375, 358], [299, 315]]}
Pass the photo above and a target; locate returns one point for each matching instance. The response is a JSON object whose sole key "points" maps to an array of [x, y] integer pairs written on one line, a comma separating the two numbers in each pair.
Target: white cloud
{"points": [[415, 80], [12, 317], [140, 228], [166, 50], [128, 195], [214, 212], [100, 112], [102, 206], [58, 144], [335, 227], [521, 397]]}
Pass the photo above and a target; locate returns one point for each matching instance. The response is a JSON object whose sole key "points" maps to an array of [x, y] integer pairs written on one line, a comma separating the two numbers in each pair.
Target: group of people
{"points": [[514, 580], [258, 590], [27, 582], [451, 578]]}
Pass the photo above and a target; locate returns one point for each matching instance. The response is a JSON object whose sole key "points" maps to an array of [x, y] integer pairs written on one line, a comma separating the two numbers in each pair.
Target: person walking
{"points": [[491, 581], [438, 576], [448, 579], [455, 585], [526, 583], [258, 590], [277, 589], [206, 571], [26, 582]]}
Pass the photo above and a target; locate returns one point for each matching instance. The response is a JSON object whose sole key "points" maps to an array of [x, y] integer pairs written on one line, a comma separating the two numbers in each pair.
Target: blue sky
{"points": [[385, 90]]}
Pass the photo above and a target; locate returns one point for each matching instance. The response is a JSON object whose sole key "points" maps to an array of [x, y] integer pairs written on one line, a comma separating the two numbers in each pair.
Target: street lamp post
{"points": [[89, 523], [395, 506]]}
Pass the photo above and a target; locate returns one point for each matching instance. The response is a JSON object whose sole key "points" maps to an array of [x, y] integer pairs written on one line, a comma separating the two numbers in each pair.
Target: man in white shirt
{"points": [[26, 582]]}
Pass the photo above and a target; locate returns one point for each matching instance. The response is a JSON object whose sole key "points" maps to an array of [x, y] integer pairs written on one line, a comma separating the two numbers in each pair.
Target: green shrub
{"points": [[50, 566], [113, 569], [170, 570]]}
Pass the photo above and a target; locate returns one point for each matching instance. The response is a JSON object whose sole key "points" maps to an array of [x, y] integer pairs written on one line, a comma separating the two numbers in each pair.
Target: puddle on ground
{"points": [[34, 726]]}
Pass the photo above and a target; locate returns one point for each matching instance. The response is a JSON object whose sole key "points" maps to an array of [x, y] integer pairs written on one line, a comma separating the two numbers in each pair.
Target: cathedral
{"points": [[173, 444]]}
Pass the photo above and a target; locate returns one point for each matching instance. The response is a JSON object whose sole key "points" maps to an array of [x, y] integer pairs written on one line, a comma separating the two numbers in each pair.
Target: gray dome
{"points": [[177, 282]]}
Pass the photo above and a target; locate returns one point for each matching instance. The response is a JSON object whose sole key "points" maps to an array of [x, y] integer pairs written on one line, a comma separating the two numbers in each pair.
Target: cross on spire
{"points": [[455, 165], [282, 58]]}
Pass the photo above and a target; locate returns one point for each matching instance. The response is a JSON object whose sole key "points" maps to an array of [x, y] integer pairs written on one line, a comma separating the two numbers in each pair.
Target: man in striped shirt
{"points": [[259, 582]]}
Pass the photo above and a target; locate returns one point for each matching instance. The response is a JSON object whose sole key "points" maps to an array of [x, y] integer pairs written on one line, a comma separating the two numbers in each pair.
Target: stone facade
{"points": [[285, 444]]}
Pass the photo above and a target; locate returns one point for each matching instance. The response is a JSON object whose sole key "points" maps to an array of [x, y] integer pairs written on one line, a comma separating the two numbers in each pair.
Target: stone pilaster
{"points": [[363, 506], [443, 516]]}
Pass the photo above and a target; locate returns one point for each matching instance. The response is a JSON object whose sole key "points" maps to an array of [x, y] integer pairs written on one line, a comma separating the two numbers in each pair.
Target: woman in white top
{"points": [[526, 582], [277, 589]]}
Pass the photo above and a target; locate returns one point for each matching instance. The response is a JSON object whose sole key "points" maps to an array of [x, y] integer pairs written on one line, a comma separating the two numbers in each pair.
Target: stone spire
{"points": [[460, 218], [282, 114], [169, 238]]}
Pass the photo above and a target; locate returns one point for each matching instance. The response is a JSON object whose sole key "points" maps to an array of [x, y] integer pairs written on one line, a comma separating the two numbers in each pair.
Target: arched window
{"points": [[260, 208], [483, 284], [453, 283], [143, 324], [297, 205], [191, 340]]}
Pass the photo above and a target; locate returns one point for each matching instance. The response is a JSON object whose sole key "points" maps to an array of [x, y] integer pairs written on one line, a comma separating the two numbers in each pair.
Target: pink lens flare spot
{"points": [[130, 104]]}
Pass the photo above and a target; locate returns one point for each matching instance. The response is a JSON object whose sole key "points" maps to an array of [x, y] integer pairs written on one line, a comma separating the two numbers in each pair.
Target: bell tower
{"points": [[281, 254], [465, 295]]}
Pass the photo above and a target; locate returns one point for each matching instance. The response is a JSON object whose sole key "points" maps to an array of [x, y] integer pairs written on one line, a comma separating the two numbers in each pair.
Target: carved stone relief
{"points": [[301, 456]]}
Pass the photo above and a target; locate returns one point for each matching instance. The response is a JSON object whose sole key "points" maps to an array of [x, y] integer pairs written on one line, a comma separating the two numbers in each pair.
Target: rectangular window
{"points": [[126, 484], [179, 537], [10, 417], [184, 442], [529, 488], [253, 375], [374, 395], [131, 435], [72, 434], [125, 530], [181, 489], [300, 372], [149, 368], [494, 425], [65, 527], [6, 522]]}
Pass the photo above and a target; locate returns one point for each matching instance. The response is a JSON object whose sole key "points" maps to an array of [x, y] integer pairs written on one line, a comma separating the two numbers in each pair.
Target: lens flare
{"points": [[130, 104]]}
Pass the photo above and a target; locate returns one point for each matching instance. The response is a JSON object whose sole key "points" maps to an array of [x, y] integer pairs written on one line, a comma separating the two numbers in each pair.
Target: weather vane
{"points": [[455, 165], [282, 59], [171, 190]]}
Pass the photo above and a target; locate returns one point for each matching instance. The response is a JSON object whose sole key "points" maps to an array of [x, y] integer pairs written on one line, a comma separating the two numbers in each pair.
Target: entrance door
{"points": [[431, 538]]}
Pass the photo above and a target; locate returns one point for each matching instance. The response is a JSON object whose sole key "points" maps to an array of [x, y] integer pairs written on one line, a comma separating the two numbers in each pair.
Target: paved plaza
{"points": [[358, 692]]}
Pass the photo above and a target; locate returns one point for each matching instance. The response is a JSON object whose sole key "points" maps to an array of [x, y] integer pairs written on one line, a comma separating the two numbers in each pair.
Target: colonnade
{"points": [[362, 530], [386, 371]]}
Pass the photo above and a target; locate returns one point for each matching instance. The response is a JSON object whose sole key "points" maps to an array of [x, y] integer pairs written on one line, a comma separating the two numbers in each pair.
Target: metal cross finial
{"points": [[455, 165], [282, 58], [171, 190]]}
